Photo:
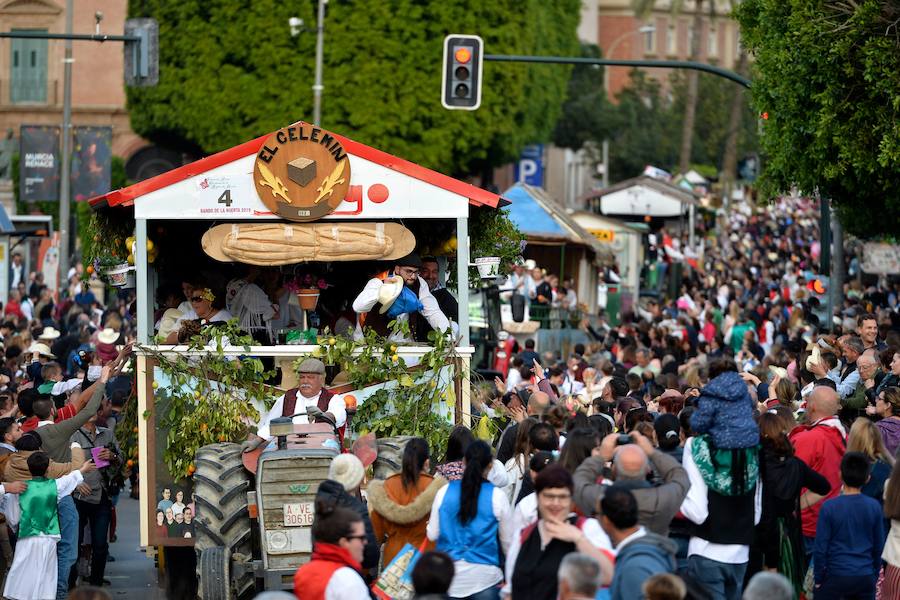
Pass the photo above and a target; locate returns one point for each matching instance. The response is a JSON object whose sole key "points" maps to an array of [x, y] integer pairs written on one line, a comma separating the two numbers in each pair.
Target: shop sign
{"points": [[604, 235], [302, 173]]}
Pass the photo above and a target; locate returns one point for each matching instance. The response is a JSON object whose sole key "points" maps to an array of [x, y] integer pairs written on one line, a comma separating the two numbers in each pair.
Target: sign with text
{"points": [[530, 168], [302, 173], [39, 163], [299, 514]]}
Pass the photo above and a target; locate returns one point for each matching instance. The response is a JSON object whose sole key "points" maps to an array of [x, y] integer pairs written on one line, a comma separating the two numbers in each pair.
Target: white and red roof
{"points": [[381, 186]]}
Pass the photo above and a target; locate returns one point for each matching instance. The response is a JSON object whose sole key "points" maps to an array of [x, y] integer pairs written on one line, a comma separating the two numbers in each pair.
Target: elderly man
{"points": [[863, 395], [631, 464], [371, 313], [845, 376], [309, 398], [820, 444]]}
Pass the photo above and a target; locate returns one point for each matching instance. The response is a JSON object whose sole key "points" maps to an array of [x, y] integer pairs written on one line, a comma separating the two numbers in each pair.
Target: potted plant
{"points": [[307, 286], [495, 243]]}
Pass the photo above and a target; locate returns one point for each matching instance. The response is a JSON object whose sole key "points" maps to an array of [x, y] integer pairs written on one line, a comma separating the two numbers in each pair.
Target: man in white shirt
{"points": [[309, 398], [367, 301]]}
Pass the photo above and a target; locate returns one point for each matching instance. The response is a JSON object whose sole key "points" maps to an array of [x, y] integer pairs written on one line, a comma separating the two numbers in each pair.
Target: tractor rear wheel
{"points": [[223, 521], [390, 456], [214, 567]]}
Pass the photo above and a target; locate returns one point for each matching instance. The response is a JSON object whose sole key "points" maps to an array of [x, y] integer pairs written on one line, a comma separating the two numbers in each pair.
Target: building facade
{"points": [[31, 77]]}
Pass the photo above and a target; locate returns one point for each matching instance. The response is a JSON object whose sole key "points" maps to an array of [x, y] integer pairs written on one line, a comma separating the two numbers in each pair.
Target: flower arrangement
{"points": [[306, 281]]}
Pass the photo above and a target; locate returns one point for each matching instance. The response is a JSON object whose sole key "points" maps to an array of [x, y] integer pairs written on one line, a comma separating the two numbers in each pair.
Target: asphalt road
{"points": [[133, 574]]}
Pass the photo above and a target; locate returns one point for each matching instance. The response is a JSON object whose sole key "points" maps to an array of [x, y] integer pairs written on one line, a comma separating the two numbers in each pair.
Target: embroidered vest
{"points": [[38, 504]]}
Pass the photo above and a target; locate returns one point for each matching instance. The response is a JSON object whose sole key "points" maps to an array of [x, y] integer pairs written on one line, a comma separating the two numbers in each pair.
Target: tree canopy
{"points": [[230, 71], [644, 125], [827, 73]]}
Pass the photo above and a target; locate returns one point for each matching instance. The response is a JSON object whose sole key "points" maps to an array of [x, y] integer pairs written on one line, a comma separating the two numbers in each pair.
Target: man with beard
{"points": [[309, 399], [383, 301], [430, 272]]}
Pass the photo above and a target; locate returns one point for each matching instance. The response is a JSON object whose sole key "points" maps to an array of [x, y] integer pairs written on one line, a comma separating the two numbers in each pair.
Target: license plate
{"points": [[299, 514]]}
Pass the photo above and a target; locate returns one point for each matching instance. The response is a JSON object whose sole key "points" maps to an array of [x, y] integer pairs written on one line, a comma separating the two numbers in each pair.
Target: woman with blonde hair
{"points": [[864, 437]]}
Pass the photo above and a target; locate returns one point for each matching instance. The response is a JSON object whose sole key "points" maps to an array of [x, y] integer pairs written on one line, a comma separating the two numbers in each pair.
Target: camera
{"points": [[623, 439]]}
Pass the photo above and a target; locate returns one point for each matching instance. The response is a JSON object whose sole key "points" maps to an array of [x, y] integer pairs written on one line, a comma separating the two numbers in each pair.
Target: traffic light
{"points": [[142, 55], [818, 289], [461, 79]]}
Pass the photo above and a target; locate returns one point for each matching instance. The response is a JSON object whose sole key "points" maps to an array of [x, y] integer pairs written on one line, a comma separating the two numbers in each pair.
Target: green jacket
{"points": [[56, 437]]}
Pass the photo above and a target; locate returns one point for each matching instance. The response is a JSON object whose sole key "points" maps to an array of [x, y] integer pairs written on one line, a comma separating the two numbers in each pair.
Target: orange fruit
{"points": [[191, 469], [135, 430], [129, 464], [222, 438], [350, 401], [203, 427], [90, 270]]}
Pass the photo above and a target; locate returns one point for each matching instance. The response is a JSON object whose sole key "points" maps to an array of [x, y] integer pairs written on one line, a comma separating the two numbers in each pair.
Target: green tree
{"points": [[828, 74], [229, 71]]}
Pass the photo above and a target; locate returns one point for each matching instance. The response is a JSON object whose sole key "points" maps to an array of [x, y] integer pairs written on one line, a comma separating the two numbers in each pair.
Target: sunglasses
{"points": [[197, 299]]}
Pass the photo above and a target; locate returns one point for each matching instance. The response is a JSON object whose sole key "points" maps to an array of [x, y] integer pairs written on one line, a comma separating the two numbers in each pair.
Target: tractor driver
{"points": [[309, 398]]}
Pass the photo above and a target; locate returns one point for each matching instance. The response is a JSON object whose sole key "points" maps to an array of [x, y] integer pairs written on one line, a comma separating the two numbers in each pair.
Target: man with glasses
{"points": [[420, 315]]}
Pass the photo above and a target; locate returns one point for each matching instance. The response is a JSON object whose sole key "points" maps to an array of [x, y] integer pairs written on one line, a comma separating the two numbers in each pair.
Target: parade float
{"points": [[335, 213]]}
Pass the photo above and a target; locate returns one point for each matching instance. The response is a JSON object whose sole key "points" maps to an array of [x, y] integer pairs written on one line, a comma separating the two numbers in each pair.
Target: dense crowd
{"points": [[729, 440], [62, 393]]}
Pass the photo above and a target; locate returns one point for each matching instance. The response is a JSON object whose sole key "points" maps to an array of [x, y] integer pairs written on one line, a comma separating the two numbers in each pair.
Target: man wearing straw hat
{"points": [[403, 296]]}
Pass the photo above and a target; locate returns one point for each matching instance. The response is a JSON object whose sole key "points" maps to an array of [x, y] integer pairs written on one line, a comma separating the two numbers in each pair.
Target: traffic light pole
{"points": [[653, 64]]}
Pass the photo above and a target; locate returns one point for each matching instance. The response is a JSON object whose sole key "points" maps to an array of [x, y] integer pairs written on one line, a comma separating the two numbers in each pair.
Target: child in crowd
{"points": [[34, 569], [849, 537]]}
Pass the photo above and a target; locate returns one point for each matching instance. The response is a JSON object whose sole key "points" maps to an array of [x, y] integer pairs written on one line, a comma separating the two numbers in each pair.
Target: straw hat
{"points": [[389, 291], [49, 333], [41, 349], [168, 323], [108, 336]]}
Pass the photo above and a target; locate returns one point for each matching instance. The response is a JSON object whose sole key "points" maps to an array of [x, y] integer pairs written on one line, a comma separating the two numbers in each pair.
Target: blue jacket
{"points": [[476, 541], [725, 411], [638, 561]]}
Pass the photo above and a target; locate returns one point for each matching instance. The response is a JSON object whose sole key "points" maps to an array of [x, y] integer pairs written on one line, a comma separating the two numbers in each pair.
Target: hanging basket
{"points": [[117, 275], [488, 267], [308, 298]]}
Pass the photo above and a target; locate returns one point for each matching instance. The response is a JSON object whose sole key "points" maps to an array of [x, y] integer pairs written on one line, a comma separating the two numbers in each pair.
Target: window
{"points": [[28, 73], [671, 40], [650, 40], [713, 42]]}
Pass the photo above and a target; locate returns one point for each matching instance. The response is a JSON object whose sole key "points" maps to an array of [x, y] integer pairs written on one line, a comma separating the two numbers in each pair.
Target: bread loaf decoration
{"points": [[271, 244]]}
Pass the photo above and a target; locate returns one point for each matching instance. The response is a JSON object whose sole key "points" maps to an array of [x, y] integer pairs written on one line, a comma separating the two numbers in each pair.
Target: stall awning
{"points": [[641, 196], [233, 156], [542, 219]]}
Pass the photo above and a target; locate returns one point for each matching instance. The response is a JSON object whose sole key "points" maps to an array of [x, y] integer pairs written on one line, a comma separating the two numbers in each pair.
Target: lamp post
{"points": [[297, 27], [616, 42]]}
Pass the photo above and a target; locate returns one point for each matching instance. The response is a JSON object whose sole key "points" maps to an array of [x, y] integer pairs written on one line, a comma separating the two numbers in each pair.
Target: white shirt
{"points": [[346, 584], [368, 298], [696, 508], [590, 528], [470, 578], [335, 406]]}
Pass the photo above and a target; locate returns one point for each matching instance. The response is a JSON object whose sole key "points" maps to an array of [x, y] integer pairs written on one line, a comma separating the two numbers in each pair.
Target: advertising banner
{"points": [[39, 163], [91, 160]]}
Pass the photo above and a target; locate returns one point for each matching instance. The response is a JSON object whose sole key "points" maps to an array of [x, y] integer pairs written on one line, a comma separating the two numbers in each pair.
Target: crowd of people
{"points": [[731, 441], [63, 390]]}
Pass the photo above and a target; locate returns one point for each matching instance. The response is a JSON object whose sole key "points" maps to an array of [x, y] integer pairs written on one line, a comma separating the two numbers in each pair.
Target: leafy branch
{"points": [[208, 397]]}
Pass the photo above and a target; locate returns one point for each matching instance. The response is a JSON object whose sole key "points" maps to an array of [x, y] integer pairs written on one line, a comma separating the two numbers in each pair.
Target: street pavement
{"points": [[133, 574]]}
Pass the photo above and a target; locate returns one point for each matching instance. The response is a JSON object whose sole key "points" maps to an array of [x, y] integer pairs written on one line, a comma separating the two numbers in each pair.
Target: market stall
{"points": [[301, 198]]}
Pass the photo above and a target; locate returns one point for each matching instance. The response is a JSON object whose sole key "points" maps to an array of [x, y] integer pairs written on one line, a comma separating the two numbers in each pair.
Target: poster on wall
{"points": [[39, 163], [91, 161], [48, 262]]}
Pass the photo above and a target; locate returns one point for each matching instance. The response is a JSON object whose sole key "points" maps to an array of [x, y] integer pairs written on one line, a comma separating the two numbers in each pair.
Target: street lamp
{"points": [[616, 42], [296, 25]]}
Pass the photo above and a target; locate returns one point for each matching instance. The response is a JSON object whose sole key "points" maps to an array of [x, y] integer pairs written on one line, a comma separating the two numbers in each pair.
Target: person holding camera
{"points": [[93, 495], [633, 459]]}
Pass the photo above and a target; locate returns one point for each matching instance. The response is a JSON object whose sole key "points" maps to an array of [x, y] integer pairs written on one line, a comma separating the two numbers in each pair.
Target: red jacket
{"points": [[821, 446], [311, 580], [66, 412]]}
